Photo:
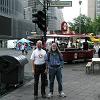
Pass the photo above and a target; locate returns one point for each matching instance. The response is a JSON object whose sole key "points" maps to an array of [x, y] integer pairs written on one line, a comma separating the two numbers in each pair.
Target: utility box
{"points": [[12, 70]]}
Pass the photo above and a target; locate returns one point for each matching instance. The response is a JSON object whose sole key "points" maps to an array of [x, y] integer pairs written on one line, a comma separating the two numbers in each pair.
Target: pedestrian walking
{"points": [[26, 48], [22, 49], [99, 52], [39, 67], [55, 64], [19, 46], [85, 45]]}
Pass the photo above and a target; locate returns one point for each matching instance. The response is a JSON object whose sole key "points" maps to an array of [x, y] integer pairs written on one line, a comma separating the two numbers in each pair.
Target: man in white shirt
{"points": [[39, 67]]}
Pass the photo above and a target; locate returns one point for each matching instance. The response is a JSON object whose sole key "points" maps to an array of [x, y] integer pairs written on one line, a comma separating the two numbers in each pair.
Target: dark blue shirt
{"points": [[55, 59]]}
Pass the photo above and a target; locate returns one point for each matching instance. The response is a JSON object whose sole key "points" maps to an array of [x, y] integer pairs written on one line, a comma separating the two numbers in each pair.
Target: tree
{"points": [[96, 25], [84, 22]]}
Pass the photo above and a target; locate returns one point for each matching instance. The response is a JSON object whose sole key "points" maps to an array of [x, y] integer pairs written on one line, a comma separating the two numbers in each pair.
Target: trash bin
{"points": [[12, 70]]}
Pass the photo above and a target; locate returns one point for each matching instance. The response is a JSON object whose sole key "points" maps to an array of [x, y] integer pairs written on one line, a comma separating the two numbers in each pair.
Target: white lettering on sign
{"points": [[61, 4]]}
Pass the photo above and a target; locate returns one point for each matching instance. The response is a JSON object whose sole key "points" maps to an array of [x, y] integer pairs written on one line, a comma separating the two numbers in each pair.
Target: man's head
{"points": [[39, 44]]}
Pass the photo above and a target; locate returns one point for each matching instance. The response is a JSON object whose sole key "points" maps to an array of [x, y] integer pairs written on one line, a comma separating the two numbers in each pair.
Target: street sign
{"points": [[41, 1], [60, 3]]}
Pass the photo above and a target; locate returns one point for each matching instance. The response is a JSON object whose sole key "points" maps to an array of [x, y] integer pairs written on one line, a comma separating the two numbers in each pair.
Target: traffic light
{"points": [[40, 19], [35, 18]]}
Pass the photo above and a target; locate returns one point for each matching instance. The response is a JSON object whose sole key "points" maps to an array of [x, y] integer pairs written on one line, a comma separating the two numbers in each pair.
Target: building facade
{"points": [[91, 9], [16, 18], [55, 18], [97, 8], [12, 19], [54, 15]]}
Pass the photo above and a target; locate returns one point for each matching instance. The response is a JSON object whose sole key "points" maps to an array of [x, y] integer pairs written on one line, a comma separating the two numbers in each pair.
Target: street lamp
{"points": [[80, 2]]}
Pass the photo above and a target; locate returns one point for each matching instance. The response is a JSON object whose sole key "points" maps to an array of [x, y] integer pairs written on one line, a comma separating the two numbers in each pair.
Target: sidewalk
{"points": [[77, 85]]}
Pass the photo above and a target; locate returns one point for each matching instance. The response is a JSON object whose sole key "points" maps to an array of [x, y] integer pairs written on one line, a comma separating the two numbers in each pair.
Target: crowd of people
{"points": [[24, 47], [48, 65]]}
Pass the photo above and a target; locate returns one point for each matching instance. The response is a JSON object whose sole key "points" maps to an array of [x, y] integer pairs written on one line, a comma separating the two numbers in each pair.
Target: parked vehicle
{"points": [[73, 51], [11, 44]]}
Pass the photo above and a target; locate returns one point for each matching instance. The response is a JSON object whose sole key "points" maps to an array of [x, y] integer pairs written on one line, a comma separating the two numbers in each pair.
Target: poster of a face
{"points": [[64, 26]]}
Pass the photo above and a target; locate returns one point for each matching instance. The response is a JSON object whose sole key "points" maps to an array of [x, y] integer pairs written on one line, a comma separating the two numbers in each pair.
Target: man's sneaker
{"points": [[50, 95], [35, 97], [44, 96], [62, 94]]}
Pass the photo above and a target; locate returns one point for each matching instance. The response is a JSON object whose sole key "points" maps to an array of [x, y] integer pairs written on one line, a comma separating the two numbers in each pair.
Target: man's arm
{"points": [[61, 59], [32, 59], [46, 70], [33, 67]]}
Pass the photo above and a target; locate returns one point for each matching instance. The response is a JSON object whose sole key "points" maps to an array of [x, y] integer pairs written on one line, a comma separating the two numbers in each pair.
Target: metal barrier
{"points": [[12, 70]]}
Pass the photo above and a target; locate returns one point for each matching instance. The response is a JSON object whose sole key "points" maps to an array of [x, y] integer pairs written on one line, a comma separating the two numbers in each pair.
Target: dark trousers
{"points": [[39, 70], [99, 53]]}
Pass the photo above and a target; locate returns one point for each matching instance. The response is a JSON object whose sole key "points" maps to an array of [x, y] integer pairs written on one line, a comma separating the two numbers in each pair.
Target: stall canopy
{"points": [[23, 40]]}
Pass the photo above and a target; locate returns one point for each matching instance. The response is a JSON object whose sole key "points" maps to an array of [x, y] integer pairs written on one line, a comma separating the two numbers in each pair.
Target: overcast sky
{"points": [[71, 12]]}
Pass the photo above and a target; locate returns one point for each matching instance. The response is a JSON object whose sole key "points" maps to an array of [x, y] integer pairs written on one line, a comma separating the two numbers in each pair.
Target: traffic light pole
{"points": [[45, 9], [46, 4], [40, 19]]}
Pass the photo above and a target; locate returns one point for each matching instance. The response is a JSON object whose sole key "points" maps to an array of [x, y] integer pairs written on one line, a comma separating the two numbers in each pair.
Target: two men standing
{"points": [[40, 60]]}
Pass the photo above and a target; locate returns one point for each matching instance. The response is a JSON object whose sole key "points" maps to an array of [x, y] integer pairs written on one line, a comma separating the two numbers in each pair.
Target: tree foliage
{"points": [[84, 22], [96, 25]]}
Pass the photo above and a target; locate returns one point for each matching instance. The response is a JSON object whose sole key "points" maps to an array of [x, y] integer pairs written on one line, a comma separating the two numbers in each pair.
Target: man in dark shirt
{"points": [[85, 45], [99, 52]]}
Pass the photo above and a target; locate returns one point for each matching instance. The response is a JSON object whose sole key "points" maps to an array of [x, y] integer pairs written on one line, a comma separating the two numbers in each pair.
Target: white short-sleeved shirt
{"points": [[39, 56]]}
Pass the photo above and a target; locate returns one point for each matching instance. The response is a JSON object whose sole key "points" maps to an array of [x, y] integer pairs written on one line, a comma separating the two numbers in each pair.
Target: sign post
{"points": [[60, 3]]}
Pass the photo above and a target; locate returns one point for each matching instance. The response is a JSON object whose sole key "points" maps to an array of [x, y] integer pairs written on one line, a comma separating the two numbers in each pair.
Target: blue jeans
{"points": [[58, 73]]}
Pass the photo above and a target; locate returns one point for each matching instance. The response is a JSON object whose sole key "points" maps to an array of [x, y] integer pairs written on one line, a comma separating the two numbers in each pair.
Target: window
{"points": [[5, 22]]}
